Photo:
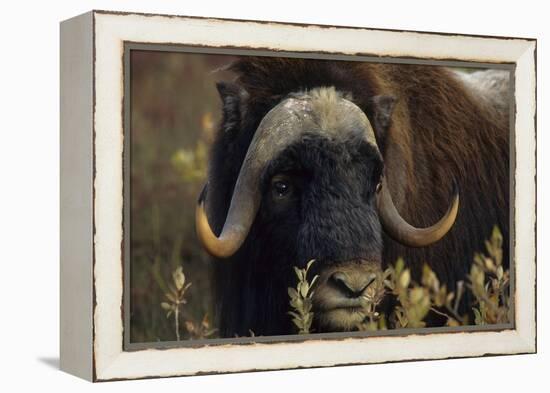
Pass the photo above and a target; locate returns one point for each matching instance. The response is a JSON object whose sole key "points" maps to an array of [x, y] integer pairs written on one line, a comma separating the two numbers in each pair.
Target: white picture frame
{"points": [[92, 194]]}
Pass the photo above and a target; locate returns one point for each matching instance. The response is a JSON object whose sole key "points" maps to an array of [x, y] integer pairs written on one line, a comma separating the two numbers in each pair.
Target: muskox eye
{"points": [[281, 186]]}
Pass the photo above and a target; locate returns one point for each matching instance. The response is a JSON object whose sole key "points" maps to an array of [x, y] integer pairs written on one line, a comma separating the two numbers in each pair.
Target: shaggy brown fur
{"points": [[440, 131]]}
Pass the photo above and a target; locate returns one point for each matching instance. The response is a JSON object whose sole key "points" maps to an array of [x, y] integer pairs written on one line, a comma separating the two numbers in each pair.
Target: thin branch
{"points": [[177, 319]]}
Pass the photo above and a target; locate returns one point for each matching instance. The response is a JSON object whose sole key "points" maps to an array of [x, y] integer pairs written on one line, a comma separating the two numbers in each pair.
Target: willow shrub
{"points": [[487, 281]]}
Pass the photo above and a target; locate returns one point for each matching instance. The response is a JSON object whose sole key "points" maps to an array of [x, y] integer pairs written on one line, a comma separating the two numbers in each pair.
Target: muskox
{"points": [[354, 165]]}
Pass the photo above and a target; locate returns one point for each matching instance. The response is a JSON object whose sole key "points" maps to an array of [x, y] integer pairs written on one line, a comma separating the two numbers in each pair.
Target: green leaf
{"points": [[399, 266], [298, 273], [303, 288], [298, 322], [294, 303], [478, 319], [489, 264], [309, 264], [307, 321], [496, 237], [179, 278], [293, 293], [313, 280], [500, 272], [405, 279]]}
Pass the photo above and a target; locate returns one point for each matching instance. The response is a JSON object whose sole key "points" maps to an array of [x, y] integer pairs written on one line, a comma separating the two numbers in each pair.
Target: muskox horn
{"points": [[234, 231], [401, 231], [276, 130], [323, 111]]}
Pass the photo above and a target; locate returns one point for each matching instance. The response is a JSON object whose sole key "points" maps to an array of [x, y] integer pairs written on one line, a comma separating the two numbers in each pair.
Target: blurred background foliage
{"points": [[175, 109]]}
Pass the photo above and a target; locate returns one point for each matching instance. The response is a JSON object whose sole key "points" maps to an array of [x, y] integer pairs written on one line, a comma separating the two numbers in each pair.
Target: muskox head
{"points": [[313, 177]]}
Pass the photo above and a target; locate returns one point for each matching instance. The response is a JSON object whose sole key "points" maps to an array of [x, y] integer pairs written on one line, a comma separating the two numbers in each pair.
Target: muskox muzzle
{"points": [[284, 125]]}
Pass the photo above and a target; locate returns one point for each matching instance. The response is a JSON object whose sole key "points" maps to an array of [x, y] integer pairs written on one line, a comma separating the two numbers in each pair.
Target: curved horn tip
{"points": [[401, 231], [217, 247]]}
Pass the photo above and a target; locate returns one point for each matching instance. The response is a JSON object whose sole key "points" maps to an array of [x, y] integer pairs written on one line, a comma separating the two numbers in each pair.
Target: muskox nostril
{"points": [[370, 280], [343, 284]]}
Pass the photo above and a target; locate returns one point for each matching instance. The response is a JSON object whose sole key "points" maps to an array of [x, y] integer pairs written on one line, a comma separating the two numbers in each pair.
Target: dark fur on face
{"points": [[429, 129], [326, 212]]}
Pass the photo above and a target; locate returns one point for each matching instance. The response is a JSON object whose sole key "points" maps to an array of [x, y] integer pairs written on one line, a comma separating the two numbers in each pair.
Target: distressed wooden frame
{"points": [[92, 189]]}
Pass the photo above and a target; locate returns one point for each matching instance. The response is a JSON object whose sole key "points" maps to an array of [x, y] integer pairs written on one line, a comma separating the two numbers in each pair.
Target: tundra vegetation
{"points": [[487, 281], [170, 92]]}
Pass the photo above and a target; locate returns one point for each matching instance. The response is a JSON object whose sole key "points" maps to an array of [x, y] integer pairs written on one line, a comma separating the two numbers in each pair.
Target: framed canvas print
{"points": [[245, 195]]}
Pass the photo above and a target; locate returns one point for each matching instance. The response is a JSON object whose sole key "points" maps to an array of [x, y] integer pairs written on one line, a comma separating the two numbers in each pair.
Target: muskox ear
{"points": [[381, 108], [234, 103]]}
